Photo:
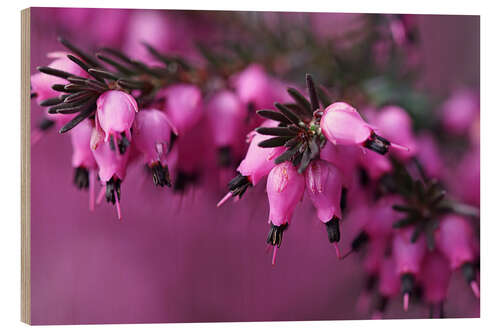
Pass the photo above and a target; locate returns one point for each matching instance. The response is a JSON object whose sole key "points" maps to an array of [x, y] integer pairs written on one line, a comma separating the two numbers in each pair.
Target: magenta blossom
{"points": [[324, 186], [408, 255], [389, 285], [257, 164], [455, 239], [342, 125], [115, 114], [395, 124], [152, 138], [460, 111], [285, 187], [376, 165], [83, 159], [42, 83], [183, 106], [112, 167], [226, 116]]}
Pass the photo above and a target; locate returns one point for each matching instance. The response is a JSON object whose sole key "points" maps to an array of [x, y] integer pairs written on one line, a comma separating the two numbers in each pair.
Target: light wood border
{"points": [[25, 169]]}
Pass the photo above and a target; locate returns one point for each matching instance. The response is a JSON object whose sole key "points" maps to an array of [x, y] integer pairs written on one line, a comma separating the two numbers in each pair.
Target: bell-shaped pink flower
{"points": [[435, 277], [345, 158], [454, 238], [183, 106], [152, 134], [226, 116], [256, 89], [80, 140], [285, 187], [394, 124], [116, 113], [42, 83], [152, 138], [460, 111], [112, 167], [83, 159], [408, 257], [259, 161], [469, 173], [324, 186], [342, 125], [430, 156]]}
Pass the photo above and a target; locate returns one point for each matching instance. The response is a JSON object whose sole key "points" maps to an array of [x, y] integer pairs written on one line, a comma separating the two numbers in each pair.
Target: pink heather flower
{"points": [[42, 83], [116, 113], [109, 162], [152, 139], [166, 32], [285, 187], [226, 116], [395, 124], [324, 186], [256, 89], [83, 159], [80, 140], [112, 167], [430, 156], [342, 125], [345, 158], [152, 134], [460, 111], [469, 173], [454, 238], [435, 277], [408, 257], [183, 106], [259, 161]]}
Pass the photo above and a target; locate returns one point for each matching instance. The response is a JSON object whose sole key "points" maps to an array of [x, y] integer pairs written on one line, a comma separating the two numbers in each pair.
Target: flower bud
{"points": [[152, 134], [454, 239], [285, 187], [226, 116], [183, 106], [324, 186], [395, 124], [152, 138], [460, 111], [342, 125], [116, 113], [80, 140], [408, 255]]}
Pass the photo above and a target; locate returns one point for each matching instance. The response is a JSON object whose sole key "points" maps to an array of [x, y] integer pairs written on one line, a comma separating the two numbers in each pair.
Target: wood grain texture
{"points": [[25, 168]]}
